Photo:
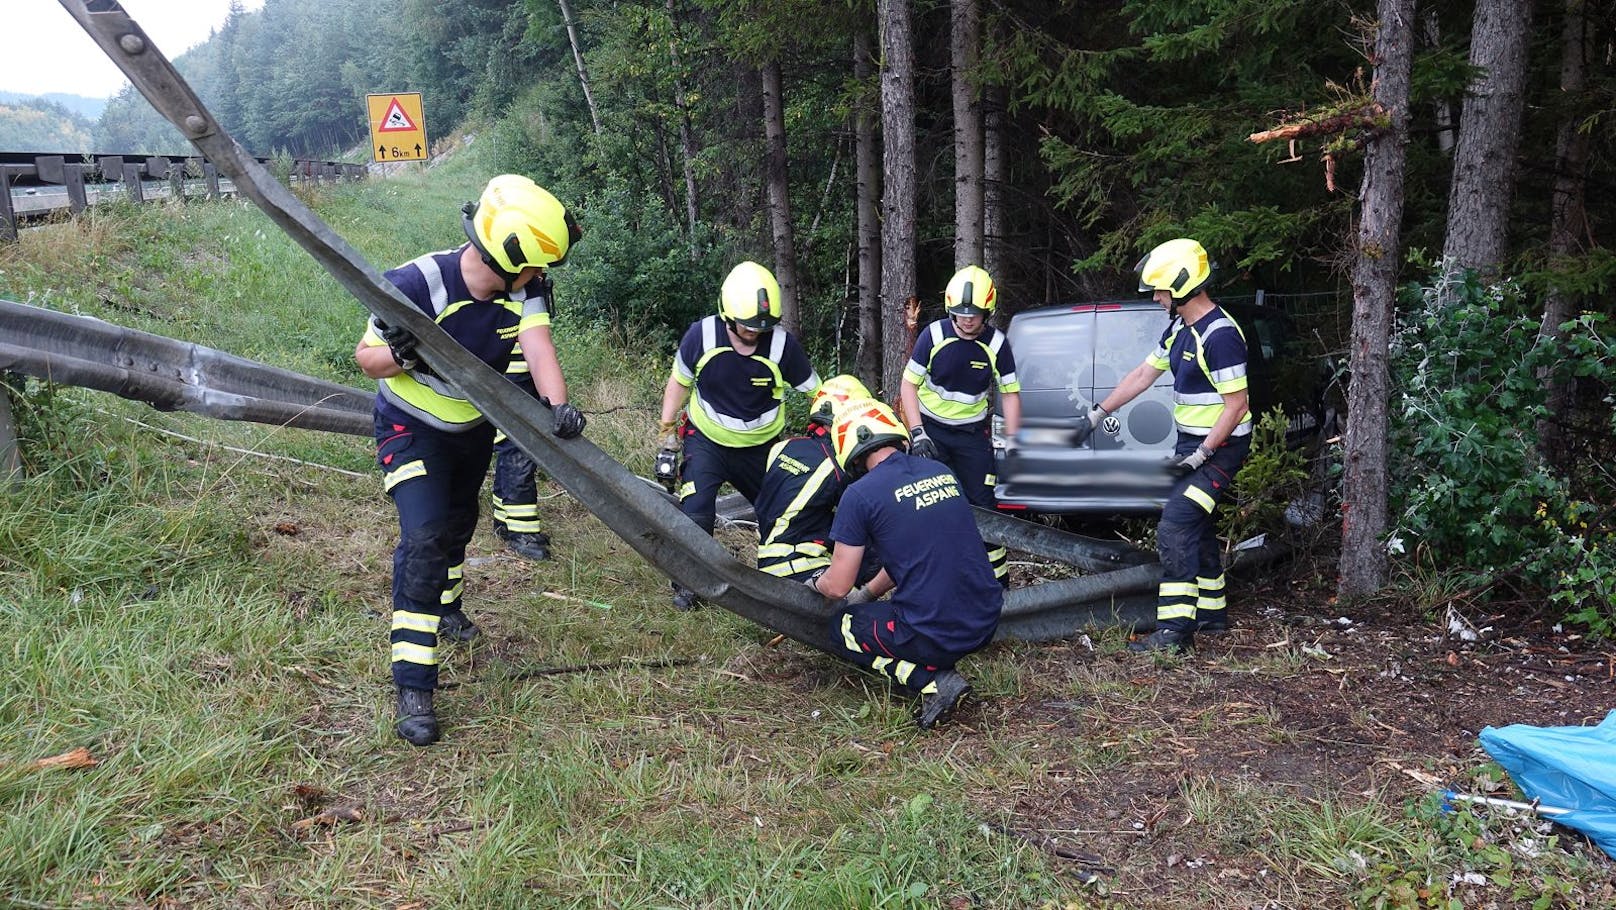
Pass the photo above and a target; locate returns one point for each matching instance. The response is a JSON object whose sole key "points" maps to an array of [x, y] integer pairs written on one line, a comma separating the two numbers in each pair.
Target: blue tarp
{"points": [[1570, 767]]}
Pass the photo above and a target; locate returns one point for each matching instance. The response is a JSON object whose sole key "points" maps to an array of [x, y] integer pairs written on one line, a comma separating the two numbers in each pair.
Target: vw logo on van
{"points": [[1111, 425]]}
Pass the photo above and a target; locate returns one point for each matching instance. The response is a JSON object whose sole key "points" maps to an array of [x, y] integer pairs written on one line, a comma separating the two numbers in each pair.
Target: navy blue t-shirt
{"points": [[914, 514]]}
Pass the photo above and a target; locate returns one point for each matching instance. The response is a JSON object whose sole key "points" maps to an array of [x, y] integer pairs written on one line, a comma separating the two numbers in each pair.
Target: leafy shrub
{"points": [[1467, 483]]}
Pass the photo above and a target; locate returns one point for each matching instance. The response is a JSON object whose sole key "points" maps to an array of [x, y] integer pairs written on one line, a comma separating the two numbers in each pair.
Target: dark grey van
{"points": [[1068, 357]]}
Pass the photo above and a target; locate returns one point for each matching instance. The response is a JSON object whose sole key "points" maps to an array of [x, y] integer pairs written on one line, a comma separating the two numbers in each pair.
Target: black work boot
{"points": [[939, 706], [534, 545], [684, 599], [1211, 622], [457, 626], [1172, 640], [417, 722]]}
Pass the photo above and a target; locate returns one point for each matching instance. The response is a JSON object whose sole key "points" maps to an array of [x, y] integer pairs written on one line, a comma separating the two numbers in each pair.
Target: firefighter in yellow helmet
{"points": [[1206, 352], [801, 487], [734, 367], [957, 363], [432, 445], [913, 513]]}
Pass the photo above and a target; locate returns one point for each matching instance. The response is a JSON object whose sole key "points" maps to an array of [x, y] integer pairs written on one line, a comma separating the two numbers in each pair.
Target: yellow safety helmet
{"points": [[750, 297], [831, 395], [862, 427], [1179, 267], [970, 293], [517, 224]]}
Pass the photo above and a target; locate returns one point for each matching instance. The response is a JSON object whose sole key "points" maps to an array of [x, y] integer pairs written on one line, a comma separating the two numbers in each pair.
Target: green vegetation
{"points": [[38, 125], [1470, 367]]}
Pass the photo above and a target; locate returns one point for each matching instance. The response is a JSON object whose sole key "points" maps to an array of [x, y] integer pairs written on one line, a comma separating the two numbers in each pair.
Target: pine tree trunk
{"points": [[779, 189], [867, 362], [898, 203], [578, 61], [1374, 285], [965, 46], [1489, 137], [1568, 223], [993, 176]]}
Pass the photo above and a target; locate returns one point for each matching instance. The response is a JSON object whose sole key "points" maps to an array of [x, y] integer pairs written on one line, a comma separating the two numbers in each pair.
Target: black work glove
{"points": [[920, 445], [569, 421], [1184, 465], [1086, 424], [402, 344]]}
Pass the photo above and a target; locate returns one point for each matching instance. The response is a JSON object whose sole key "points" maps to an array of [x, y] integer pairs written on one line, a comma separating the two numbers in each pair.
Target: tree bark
{"points": [[867, 360], [779, 190], [1374, 285], [1568, 223], [578, 61], [1489, 137], [898, 203], [993, 177], [687, 139], [964, 47]]}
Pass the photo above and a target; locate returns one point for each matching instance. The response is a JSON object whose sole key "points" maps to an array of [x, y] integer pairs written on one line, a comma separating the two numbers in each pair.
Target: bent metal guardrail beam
{"points": [[641, 516]]}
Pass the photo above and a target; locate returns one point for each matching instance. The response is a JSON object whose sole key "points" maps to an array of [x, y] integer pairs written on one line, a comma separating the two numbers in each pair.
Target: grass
{"points": [[210, 625]]}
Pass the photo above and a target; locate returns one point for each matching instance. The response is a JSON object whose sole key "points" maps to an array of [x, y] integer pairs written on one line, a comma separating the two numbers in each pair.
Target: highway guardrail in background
{"points": [[129, 176]]}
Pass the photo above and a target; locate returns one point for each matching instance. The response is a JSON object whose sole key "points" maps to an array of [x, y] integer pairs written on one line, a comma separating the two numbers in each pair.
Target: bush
{"points": [[1467, 482]]}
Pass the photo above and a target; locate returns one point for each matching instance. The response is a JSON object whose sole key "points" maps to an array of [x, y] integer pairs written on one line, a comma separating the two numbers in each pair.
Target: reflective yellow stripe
{"points": [[806, 548], [440, 411], [905, 670], [1211, 602], [848, 640], [686, 488], [1178, 589], [793, 566], [452, 593], [415, 622], [1200, 497], [931, 688], [415, 654], [1174, 610], [1209, 584], [403, 472], [881, 664]]}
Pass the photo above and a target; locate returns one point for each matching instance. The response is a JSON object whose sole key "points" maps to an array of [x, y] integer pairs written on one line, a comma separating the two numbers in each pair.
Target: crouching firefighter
{"points": [[915, 515], [801, 488], [432, 445], [1206, 352]]}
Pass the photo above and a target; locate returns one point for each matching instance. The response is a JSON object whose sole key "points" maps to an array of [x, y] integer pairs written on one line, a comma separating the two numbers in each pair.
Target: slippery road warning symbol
{"points": [[397, 127]]}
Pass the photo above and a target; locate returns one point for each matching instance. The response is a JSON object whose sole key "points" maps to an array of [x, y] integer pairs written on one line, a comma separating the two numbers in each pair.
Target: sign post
{"points": [[397, 127]]}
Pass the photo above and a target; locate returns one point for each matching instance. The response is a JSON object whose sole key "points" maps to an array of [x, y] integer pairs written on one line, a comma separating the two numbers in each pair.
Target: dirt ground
{"points": [[1301, 697]]}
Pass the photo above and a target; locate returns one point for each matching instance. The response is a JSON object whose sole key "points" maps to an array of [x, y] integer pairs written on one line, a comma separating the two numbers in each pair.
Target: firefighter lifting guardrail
{"points": [[637, 512]]}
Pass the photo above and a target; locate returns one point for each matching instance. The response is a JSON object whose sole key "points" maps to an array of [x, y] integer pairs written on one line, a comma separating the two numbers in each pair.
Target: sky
{"points": [[47, 51]]}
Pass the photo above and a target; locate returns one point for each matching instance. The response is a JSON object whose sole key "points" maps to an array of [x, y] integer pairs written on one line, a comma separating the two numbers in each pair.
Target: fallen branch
{"points": [[73, 758], [1370, 114], [596, 668], [330, 818]]}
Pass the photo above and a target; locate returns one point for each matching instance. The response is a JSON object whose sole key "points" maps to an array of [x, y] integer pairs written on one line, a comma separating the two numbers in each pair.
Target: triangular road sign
{"points": [[395, 120]]}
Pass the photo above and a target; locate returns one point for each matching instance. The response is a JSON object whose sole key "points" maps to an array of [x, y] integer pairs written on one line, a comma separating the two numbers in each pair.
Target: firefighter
{"points": [[516, 487], [957, 362], [1206, 352], [801, 487], [735, 367], [432, 445], [913, 512]]}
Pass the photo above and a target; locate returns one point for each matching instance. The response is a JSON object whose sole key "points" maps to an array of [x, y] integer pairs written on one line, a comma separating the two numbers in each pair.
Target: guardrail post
{"points": [[131, 182], [210, 175], [73, 180], [10, 458], [8, 215], [176, 180]]}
